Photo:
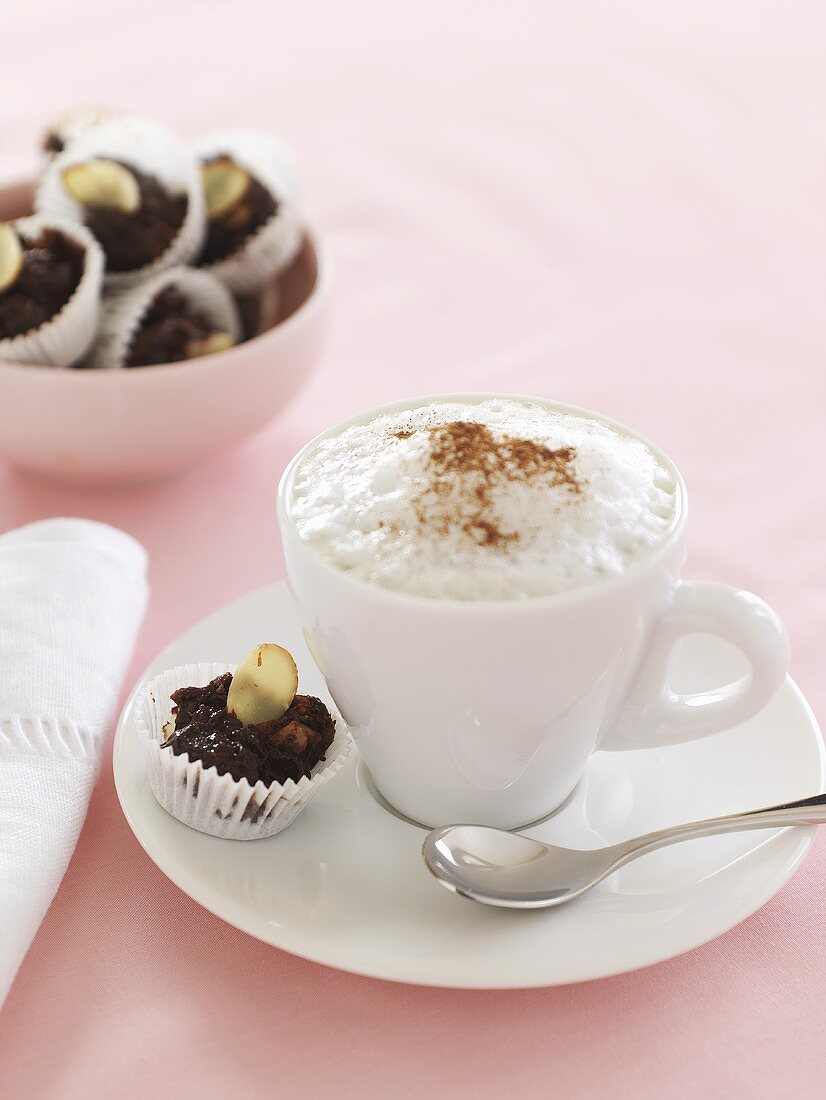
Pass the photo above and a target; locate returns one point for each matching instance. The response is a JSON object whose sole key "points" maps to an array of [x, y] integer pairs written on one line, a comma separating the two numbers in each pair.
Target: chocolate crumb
{"points": [[53, 143]]}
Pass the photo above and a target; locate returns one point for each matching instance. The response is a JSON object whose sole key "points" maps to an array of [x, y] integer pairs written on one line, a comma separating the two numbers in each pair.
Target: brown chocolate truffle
{"points": [[272, 752], [172, 330], [51, 269], [133, 238], [230, 225]]}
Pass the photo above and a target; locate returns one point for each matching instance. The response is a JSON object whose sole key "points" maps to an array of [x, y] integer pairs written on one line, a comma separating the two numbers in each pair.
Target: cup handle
{"points": [[655, 715]]}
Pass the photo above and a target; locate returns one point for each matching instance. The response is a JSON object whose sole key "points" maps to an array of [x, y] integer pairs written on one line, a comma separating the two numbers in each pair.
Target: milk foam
{"points": [[356, 499]]}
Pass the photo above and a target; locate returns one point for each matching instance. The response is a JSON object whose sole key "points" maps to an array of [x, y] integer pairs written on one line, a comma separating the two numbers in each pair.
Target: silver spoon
{"points": [[507, 869]]}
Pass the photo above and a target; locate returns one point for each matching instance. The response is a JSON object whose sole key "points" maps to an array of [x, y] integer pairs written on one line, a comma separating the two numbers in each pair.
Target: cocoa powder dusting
{"points": [[467, 462]]}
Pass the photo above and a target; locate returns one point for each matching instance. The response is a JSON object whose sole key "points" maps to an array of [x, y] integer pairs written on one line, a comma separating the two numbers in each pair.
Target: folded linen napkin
{"points": [[72, 595]]}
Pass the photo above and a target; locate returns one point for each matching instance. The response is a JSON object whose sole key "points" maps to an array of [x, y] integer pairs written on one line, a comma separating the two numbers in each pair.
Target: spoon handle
{"points": [[808, 811]]}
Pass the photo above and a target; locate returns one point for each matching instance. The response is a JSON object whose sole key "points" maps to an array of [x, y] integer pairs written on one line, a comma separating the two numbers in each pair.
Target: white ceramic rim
{"points": [[486, 607], [311, 304]]}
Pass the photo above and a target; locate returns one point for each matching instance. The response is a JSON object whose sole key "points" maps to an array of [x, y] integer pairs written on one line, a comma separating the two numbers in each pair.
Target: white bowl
{"points": [[113, 426]]}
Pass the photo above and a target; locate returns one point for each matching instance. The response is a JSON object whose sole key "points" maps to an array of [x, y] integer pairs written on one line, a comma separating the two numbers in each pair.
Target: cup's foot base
{"points": [[366, 783]]}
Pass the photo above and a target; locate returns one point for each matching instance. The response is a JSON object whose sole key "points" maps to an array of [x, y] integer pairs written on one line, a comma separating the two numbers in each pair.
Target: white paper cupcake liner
{"points": [[123, 311], [272, 247], [66, 337], [71, 124], [199, 796], [153, 149]]}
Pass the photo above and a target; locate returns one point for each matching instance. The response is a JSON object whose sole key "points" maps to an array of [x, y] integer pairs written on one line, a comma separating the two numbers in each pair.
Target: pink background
{"points": [[619, 206]]}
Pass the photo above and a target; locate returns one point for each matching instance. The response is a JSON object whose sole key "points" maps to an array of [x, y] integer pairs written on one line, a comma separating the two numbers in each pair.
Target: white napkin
{"points": [[72, 595]]}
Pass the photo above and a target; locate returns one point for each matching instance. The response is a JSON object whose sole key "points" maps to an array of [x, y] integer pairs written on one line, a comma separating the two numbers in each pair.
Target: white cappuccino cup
{"points": [[487, 710]]}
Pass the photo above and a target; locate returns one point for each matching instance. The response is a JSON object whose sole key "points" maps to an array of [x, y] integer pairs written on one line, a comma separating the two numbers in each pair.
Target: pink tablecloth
{"points": [[619, 206]]}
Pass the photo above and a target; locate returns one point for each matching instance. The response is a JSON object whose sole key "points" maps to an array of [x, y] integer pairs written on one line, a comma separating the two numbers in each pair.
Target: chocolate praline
{"points": [[134, 239], [228, 232], [52, 269], [168, 327], [271, 752]]}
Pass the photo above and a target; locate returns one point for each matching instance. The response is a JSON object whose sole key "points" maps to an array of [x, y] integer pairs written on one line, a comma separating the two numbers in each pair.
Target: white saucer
{"points": [[345, 885]]}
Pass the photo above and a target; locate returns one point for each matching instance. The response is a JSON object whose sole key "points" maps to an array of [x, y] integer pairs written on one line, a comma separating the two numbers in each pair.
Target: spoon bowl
{"points": [[512, 871]]}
